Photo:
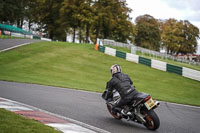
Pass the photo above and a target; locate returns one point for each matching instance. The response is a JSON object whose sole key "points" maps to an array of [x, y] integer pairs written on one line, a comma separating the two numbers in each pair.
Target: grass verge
{"points": [[10, 37], [13, 123], [79, 66]]}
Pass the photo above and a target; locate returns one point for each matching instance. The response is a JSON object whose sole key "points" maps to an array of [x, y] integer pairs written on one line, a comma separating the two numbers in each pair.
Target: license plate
{"points": [[150, 104]]}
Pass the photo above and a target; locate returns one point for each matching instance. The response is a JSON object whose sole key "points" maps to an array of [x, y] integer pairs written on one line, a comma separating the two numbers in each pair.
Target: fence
{"points": [[160, 65], [145, 51], [17, 32]]}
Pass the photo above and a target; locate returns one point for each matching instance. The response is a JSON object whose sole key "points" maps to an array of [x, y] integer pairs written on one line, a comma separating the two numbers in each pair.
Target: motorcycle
{"points": [[140, 110]]}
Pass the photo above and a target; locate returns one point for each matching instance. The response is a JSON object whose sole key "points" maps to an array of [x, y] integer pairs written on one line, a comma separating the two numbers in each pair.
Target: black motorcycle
{"points": [[140, 110]]}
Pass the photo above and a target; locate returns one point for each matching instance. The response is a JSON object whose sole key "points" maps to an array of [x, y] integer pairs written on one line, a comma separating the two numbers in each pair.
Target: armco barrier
{"points": [[101, 48], [158, 65], [36, 37], [121, 54], [110, 51], [29, 36], [17, 35], [186, 72], [190, 73], [132, 57], [45, 39], [174, 69], [145, 61]]}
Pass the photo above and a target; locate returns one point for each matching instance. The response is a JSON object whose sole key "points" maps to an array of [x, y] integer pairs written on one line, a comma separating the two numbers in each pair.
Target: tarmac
{"points": [[44, 117]]}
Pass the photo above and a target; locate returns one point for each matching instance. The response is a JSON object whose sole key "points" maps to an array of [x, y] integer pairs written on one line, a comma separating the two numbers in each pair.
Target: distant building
{"points": [[190, 57]]}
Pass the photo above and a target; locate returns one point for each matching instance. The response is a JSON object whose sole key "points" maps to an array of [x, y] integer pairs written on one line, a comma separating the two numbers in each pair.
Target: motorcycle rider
{"points": [[123, 84]]}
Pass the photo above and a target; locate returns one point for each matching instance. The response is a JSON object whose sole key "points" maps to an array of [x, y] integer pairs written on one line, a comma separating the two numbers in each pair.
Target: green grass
{"points": [[10, 37], [123, 49], [13, 123], [182, 64], [79, 66]]}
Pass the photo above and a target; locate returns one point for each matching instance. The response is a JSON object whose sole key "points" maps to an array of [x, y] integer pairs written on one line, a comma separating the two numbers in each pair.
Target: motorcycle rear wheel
{"points": [[152, 120], [115, 115]]}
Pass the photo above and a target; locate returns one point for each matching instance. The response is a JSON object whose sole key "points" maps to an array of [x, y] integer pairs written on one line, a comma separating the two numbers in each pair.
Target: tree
{"points": [[171, 36], [190, 36], [148, 32], [31, 13], [111, 20], [86, 19], [13, 11], [179, 36], [123, 28], [1, 11], [107, 19], [47, 16], [71, 15]]}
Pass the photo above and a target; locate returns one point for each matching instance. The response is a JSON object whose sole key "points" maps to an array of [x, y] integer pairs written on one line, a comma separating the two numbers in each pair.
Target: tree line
{"points": [[88, 20]]}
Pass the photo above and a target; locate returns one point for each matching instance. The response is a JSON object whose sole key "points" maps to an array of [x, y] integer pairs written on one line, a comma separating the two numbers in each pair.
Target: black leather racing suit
{"points": [[123, 84]]}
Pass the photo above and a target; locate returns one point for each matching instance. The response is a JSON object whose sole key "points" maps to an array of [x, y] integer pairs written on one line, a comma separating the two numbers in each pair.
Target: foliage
{"points": [[48, 14], [179, 36], [13, 11], [88, 20], [148, 33], [76, 14], [84, 18], [190, 36], [13, 123]]}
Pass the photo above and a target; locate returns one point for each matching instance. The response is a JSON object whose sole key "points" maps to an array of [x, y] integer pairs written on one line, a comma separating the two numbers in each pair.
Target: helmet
{"points": [[115, 69]]}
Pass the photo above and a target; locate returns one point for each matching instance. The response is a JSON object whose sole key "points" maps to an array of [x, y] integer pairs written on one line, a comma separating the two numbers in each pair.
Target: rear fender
{"points": [[141, 96]]}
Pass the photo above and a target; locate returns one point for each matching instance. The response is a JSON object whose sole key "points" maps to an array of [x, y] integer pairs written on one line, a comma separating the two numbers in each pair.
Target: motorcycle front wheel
{"points": [[152, 120], [115, 115]]}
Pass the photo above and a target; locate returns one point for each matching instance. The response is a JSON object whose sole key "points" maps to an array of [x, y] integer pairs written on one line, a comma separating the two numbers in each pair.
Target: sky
{"points": [[165, 9]]}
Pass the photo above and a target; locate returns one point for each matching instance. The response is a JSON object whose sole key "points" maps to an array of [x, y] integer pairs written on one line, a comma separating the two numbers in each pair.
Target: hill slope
{"points": [[79, 66]]}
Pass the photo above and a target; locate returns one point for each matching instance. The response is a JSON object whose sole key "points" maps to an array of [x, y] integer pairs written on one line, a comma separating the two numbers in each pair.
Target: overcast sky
{"points": [[165, 9]]}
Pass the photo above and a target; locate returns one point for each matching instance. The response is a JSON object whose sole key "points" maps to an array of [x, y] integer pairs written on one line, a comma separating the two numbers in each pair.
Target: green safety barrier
{"points": [[121, 54], [101, 48], [148, 62], [145, 61], [174, 69], [10, 28], [36, 37]]}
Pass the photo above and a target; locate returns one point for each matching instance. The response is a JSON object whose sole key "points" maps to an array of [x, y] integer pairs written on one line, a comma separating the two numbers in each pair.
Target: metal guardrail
{"points": [[160, 65], [145, 51]]}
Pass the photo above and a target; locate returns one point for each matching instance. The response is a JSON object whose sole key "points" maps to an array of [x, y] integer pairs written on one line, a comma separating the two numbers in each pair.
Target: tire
{"points": [[115, 115], [152, 120]]}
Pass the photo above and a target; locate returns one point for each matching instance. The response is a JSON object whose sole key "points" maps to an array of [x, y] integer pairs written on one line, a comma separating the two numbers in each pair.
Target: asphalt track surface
{"points": [[7, 43], [89, 108]]}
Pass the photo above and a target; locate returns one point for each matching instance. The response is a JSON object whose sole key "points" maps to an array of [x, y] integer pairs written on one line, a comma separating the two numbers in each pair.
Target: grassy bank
{"points": [[79, 66], [13, 123], [9, 37]]}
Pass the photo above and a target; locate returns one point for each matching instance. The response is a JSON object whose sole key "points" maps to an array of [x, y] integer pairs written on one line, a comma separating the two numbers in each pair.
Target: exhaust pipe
{"points": [[157, 103]]}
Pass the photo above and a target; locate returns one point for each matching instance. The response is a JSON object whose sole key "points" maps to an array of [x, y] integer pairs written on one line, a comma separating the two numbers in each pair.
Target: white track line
{"points": [[14, 47], [75, 123], [183, 105]]}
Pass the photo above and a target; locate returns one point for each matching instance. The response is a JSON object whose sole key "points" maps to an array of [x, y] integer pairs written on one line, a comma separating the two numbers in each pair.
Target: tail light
{"points": [[147, 98]]}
